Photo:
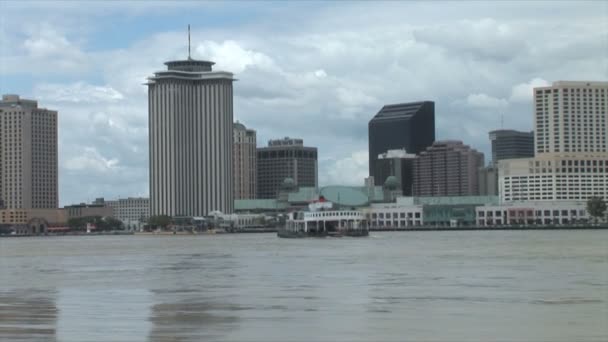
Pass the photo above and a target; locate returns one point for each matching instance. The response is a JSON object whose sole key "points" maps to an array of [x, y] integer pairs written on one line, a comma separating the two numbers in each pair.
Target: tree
{"points": [[596, 207], [112, 223], [161, 221]]}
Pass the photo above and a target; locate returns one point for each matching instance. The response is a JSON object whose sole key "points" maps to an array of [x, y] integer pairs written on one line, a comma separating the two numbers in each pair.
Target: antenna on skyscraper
{"points": [[189, 41], [502, 120]]}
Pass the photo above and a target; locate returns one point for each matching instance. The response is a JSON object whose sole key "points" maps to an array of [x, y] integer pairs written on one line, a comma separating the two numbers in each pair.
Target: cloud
{"points": [[523, 92], [91, 161], [76, 92], [231, 56], [349, 170], [486, 101], [320, 77], [484, 38]]}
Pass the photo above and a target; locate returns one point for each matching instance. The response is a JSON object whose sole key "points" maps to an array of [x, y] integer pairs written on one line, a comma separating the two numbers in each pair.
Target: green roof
{"points": [[257, 204], [354, 196], [303, 195], [345, 195]]}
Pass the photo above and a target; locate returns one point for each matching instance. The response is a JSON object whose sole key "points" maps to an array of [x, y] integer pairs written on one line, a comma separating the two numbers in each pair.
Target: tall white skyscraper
{"points": [[28, 155], [190, 132]]}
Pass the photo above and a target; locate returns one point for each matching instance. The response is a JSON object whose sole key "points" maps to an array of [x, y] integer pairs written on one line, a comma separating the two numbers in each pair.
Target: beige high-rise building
{"points": [[570, 117], [571, 159], [244, 162], [28, 155]]}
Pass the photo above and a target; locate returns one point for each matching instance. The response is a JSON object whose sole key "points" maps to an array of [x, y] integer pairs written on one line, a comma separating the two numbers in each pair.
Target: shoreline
{"points": [[273, 230]]}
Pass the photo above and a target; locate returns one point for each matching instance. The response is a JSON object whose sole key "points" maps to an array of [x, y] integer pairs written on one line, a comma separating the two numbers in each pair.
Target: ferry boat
{"points": [[321, 221]]}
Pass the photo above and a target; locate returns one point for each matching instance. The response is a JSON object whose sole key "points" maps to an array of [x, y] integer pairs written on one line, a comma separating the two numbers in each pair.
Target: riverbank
{"points": [[375, 229]]}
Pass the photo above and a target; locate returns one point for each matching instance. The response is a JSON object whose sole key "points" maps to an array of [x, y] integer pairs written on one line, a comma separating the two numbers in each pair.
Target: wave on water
{"points": [[567, 301]]}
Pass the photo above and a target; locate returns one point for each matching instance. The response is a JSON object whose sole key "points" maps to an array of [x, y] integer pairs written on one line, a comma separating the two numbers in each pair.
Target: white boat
{"points": [[322, 220]]}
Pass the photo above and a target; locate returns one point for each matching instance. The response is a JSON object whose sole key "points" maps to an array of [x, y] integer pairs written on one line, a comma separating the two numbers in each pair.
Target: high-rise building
{"points": [[570, 117], [244, 162], [191, 134], [488, 181], [28, 155], [397, 163], [447, 168], [506, 144], [409, 126], [571, 158], [285, 158], [511, 144]]}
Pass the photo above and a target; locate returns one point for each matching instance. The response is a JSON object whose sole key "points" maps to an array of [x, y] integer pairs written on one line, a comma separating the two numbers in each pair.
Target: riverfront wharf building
{"points": [[191, 138]]}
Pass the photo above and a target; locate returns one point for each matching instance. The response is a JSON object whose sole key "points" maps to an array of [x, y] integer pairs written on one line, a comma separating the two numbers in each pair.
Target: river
{"points": [[391, 286]]}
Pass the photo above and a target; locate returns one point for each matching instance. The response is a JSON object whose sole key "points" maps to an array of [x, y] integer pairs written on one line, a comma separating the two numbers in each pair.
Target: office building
{"points": [[447, 168], [28, 155], [511, 144], [409, 126], [191, 135], [488, 181], [88, 210], [506, 144], [571, 162], [397, 163], [244, 162], [570, 117], [132, 211], [285, 158]]}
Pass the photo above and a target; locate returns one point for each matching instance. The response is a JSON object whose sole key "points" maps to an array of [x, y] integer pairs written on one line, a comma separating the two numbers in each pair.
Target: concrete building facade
{"points": [[131, 210], [532, 213], [409, 126], [244, 162], [28, 155], [285, 158], [191, 137], [447, 168], [571, 158], [87, 210], [570, 117]]}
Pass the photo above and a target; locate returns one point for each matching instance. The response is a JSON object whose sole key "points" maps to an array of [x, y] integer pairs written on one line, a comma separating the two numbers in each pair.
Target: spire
{"points": [[189, 58]]}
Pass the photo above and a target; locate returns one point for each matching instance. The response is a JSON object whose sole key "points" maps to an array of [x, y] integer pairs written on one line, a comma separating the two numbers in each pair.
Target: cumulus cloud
{"points": [[76, 92], [523, 92], [350, 170], [231, 56], [320, 77], [486, 101]]}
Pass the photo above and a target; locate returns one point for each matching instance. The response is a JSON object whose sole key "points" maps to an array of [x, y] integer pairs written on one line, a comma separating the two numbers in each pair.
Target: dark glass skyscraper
{"points": [[409, 126], [511, 144], [285, 158]]}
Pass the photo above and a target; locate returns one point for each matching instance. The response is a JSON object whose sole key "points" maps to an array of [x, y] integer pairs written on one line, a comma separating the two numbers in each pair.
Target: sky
{"points": [[312, 70]]}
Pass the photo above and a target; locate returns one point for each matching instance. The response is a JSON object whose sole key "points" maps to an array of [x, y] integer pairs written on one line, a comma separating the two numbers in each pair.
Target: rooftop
{"points": [[400, 110]]}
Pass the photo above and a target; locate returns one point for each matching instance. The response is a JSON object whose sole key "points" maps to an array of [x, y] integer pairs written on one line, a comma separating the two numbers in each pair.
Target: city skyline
{"points": [[321, 87]]}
